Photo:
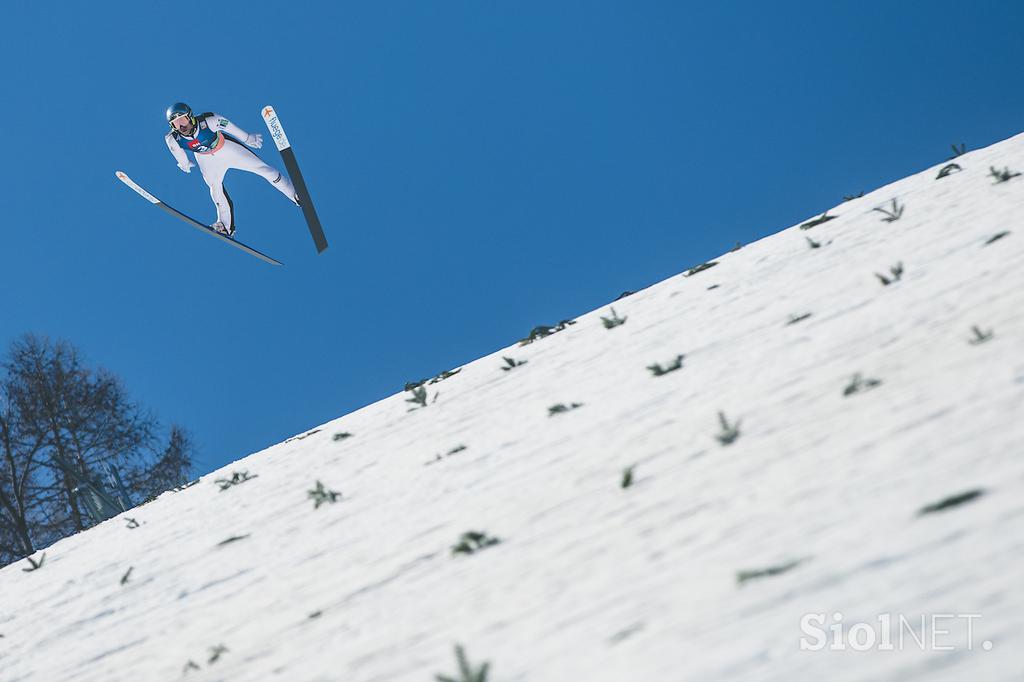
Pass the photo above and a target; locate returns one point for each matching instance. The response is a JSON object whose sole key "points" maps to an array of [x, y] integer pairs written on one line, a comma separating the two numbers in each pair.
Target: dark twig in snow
{"points": [[560, 408], [823, 218], [539, 332], [980, 337], [700, 268], [36, 565], [613, 321], [419, 397], [511, 364], [1002, 175], [730, 432], [950, 502], [859, 384], [891, 216], [745, 576], [897, 275], [997, 237], [237, 478], [793, 319], [627, 476], [233, 538], [473, 541], [321, 495], [657, 370], [466, 672]]}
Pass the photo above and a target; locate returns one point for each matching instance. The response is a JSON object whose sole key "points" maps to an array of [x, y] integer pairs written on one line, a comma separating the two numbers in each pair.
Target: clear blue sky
{"points": [[480, 168]]}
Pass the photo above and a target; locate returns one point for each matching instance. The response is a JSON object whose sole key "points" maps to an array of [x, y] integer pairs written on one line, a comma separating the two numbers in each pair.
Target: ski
{"points": [[283, 146], [123, 177]]}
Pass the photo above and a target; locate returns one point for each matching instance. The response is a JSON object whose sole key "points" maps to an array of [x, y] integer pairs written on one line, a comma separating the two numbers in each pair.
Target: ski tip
{"points": [[274, 126]]}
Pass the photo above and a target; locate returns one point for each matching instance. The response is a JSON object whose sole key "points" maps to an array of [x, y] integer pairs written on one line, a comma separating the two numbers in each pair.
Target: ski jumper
{"points": [[216, 143]]}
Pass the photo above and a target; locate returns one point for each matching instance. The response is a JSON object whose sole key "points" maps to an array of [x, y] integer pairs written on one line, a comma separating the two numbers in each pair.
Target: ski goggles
{"points": [[181, 118]]}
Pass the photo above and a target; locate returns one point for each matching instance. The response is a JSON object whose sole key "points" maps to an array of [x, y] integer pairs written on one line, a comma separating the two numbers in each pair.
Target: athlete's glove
{"points": [[255, 140], [187, 168]]}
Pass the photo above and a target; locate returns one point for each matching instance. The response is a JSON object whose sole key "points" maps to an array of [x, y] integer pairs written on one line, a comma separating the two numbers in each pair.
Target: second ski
{"points": [[283, 146]]}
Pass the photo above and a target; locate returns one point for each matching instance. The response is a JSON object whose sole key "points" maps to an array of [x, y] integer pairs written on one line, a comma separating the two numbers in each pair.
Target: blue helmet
{"points": [[180, 109]]}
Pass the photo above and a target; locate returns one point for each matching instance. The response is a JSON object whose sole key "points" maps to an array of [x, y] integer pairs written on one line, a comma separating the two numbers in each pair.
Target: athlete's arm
{"points": [[218, 122], [179, 154]]}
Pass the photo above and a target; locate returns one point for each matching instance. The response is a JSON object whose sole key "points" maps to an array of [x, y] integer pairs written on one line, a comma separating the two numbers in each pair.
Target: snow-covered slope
{"points": [[703, 569]]}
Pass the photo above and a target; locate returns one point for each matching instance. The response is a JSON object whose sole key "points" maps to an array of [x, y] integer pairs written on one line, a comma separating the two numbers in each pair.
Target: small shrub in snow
{"points": [[736, 248], [701, 268], [419, 398], [184, 485], [466, 672], [627, 476], [445, 374], [305, 435], [342, 436], [950, 502], [411, 385], [132, 524], [613, 321], [473, 541], [949, 169], [237, 478], [124, 578], [859, 384], [897, 274], [823, 218], [997, 237], [1002, 175], [321, 495], [958, 151], [657, 370], [813, 244], [730, 432], [540, 331], [746, 576], [511, 364], [560, 408], [35, 565], [793, 319], [980, 336], [893, 215], [624, 294], [216, 652], [852, 197], [191, 665]]}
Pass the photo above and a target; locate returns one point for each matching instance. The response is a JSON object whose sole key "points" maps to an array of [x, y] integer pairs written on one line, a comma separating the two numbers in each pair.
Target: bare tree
{"points": [[55, 409], [171, 468], [18, 465]]}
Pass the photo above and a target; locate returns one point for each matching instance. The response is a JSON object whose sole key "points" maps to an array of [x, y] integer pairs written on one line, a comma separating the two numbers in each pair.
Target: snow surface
{"points": [[593, 581]]}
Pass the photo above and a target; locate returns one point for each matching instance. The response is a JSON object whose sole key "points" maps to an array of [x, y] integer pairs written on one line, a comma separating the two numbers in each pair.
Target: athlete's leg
{"points": [[238, 156], [213, 169]]}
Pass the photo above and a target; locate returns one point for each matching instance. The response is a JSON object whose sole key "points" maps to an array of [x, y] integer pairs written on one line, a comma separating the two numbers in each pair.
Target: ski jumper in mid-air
{"points": [[218, 146]]}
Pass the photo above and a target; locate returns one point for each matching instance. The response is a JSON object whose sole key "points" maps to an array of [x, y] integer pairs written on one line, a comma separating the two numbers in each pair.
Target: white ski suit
{"points": [[218, 146]]}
